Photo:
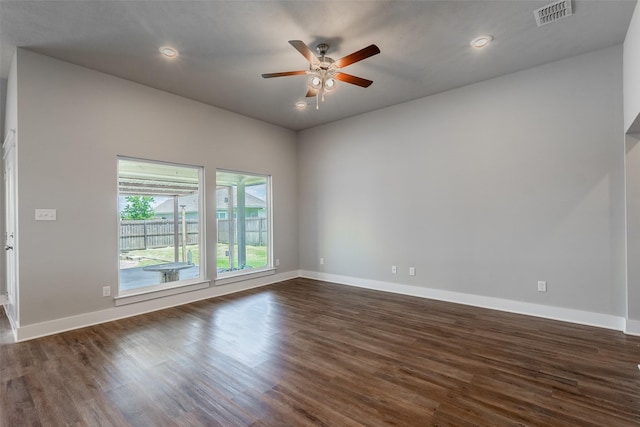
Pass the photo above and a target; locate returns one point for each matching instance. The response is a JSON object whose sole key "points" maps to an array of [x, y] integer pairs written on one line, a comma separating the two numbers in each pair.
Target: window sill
{"points": [[241, 275], [168, 289]]}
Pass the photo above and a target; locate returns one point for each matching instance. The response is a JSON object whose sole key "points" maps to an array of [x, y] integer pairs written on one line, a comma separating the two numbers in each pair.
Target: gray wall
{"points": [[484, 190], [74, 122], [632, 74], [632, 126]]}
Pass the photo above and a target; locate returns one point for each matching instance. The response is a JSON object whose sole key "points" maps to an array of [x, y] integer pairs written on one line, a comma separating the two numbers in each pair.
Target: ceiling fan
{"points": [[324, 71]]}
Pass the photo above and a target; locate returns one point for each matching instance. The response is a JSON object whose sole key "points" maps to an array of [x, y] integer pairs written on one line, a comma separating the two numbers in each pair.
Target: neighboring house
{"points": [[165, 209], [255, 207]]}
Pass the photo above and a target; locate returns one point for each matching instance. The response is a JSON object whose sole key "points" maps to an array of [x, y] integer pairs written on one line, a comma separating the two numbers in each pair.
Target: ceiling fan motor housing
{"points": [[322, 49]]}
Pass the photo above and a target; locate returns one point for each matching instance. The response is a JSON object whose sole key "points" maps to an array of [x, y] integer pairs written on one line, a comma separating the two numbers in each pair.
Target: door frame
{"points": [[12, 306]]}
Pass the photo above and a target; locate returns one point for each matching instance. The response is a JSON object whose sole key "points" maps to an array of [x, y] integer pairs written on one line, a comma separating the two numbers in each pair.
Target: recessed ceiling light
{"points": [[301, 105], [482, 41], [169, 52]]}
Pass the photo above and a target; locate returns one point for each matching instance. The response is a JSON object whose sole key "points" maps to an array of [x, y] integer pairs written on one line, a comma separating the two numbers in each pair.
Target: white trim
{"points": [[51, 327], [244, 275], [4, 300], [632, 327], [548, 312], [9, 142], [159, 292], [14, 326], [10, 148]]}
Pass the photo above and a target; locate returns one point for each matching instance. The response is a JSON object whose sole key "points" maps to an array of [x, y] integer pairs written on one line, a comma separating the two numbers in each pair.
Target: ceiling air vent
{"points": [[552, 12]]}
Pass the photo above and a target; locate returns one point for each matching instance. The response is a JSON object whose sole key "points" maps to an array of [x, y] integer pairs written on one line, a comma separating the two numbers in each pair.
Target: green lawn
{"points": [[256, 256]]}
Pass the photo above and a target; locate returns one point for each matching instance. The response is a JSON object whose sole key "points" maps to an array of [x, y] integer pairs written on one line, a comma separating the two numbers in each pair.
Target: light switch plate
{"points": [[45, 214]]}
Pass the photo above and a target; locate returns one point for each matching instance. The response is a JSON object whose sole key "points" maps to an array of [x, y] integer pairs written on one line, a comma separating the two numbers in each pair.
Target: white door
{"points": [[9, 148]]}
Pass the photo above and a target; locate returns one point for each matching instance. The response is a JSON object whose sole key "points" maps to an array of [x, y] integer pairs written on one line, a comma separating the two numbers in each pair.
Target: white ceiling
{"points": [[225, 46]]}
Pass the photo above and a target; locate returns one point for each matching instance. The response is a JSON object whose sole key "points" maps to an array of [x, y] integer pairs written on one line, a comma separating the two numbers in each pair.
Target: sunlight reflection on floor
{"points": [[245, 329]]}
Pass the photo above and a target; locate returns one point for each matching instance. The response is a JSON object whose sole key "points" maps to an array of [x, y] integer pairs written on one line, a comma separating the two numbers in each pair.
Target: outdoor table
{"points": [[169, 272]]}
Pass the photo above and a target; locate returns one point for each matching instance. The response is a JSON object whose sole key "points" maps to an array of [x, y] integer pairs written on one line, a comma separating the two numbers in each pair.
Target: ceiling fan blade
{"points": [[354, 80], [305, 51], [283, 74], [311, 92], [358, 56]]}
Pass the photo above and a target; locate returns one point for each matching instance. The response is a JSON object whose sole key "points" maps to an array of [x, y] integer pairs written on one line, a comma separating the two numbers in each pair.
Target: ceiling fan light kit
{"points": [[324, 71]]}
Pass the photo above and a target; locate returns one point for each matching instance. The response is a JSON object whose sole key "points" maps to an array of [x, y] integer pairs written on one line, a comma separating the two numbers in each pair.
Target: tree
{"points": [[138, 207]]}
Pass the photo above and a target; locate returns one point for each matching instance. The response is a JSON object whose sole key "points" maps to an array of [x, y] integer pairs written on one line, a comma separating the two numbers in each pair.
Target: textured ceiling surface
{"points": [[225, 46]]}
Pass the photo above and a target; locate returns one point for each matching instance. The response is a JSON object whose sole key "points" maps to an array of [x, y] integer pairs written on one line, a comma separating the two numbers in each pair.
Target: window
{"points": [[160, 232], [243, 219]]}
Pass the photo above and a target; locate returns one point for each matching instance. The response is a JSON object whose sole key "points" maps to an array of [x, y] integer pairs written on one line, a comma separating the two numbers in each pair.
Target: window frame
{"points": [[152, 291], [245, 274]]}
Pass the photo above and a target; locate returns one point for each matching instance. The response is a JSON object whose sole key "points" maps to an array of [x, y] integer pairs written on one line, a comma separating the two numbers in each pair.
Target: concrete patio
{"points": [[137, 277]]}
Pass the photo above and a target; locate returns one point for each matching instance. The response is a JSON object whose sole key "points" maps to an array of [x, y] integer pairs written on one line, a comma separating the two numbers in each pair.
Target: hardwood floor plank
{"points": [[270, 410], [16, 396], [100, 413], [136, 407], [58, 405], [310, 353]]}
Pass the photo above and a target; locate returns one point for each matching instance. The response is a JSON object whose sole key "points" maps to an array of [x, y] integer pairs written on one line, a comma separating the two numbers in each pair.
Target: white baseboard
{"points": [[519, 307], [632, 327], [37, 330], [27, 332]]}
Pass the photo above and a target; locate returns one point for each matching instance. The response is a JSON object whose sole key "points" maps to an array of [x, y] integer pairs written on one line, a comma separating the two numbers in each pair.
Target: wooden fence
{"points": [[159, 233], [255, 231]]}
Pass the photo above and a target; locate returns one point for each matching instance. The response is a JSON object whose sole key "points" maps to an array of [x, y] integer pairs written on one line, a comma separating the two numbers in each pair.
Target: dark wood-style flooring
{"points": [[303, 352]]}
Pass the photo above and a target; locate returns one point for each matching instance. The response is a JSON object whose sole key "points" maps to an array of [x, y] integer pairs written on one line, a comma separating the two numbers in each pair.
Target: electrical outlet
{"points": [[394, 269], [106, 291], [542, 286], [321, 261], [412, 271], [277, 262]]}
